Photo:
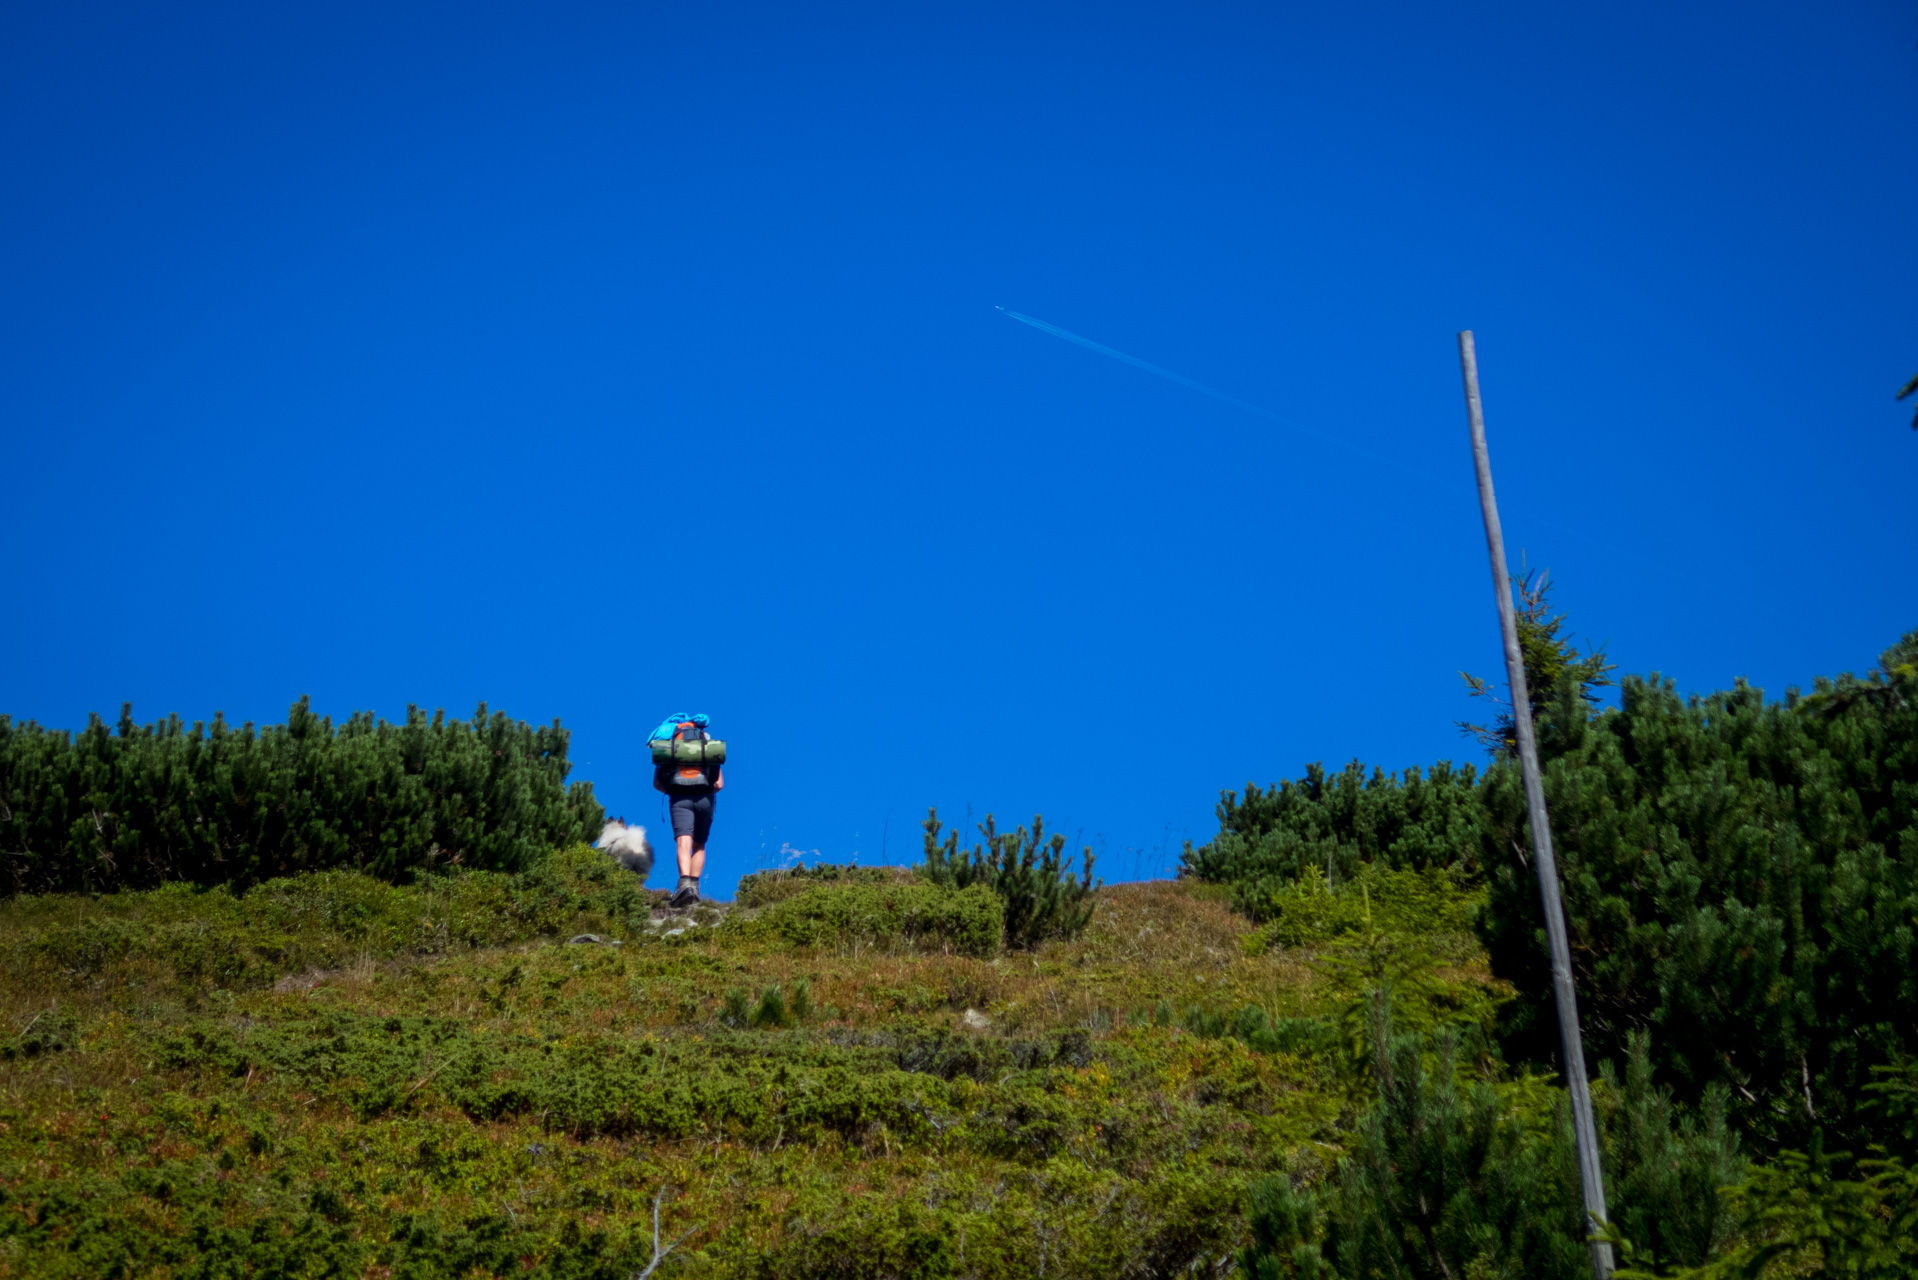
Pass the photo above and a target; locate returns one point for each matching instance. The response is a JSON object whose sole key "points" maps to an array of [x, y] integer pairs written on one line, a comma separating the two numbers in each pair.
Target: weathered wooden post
{"points": [[1590, 1175]]}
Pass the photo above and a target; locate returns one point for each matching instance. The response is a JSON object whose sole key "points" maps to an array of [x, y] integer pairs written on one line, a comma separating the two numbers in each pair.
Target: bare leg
{"points": [[692, 865]]}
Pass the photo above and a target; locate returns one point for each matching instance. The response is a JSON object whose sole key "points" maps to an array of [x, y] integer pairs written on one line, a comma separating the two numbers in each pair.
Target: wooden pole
{"points": [[1591, 1177]]}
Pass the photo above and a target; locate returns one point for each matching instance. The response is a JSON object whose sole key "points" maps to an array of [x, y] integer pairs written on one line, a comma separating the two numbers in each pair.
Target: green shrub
{"points": [[1739, 877], [145, 805], [763, 888], [377, 1065], [1665, 1168], [1308, 910], [1444, 1181], [1335, 822], [1283, 1220], [1802, 1216], [303, 1226], [1057, 1219], [1043, 898], [322, 920], [771, 1010], [878, 1242], [917, 915], [1452, 1176], [1260, 1031], [48, 1031]]}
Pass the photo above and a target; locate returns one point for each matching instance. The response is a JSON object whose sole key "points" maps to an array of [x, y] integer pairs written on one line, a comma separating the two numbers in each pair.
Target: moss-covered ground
{"points": [[332, 1076]]}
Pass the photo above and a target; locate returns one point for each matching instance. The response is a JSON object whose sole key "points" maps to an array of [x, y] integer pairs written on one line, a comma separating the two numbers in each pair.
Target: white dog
{"points": [[628, 847]]}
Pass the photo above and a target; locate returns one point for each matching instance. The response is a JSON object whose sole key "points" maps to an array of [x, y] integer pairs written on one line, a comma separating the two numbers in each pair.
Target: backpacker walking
{"points": [[687, 770]]}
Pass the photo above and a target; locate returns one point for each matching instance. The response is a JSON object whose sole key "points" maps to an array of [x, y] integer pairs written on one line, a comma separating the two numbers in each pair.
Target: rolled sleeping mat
{"points": [[668, 752]]}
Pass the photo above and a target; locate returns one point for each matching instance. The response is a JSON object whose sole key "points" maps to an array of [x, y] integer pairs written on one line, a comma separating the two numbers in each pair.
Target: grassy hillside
{"points": [[843, 1076], [1295, 1064]]}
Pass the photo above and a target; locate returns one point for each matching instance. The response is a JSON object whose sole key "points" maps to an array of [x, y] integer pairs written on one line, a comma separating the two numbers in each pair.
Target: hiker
{"points": [[687, 769]]}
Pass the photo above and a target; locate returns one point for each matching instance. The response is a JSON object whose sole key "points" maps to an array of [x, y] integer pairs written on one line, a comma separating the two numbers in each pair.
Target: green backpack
{"points": [[694, 756]]}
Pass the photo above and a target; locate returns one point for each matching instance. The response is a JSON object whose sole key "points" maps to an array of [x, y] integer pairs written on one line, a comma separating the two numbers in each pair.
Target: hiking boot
{"points": [[686, 895]]}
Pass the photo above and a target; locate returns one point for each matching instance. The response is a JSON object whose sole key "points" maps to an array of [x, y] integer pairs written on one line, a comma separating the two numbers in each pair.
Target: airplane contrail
{"points": [[1249, 407], [1181, 379], [1200, 387]]}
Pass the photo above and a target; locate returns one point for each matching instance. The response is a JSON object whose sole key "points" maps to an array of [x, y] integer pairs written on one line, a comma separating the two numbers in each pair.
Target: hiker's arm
{"points": [[719, 778]]}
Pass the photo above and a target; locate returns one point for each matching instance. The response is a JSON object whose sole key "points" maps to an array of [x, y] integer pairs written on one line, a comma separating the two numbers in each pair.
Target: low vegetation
{"points": [[348, 1077], [835, 1077]]}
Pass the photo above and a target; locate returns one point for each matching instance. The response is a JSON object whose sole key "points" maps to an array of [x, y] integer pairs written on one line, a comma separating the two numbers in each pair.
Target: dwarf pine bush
{"points": [[142, 805], [1336, 822], [1740, 879], [1043, 898], [1819, 1214], [1457, 1173]]}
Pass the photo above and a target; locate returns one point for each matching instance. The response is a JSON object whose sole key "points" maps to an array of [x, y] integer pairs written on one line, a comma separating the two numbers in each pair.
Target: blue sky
{"points": [[606, 361]]}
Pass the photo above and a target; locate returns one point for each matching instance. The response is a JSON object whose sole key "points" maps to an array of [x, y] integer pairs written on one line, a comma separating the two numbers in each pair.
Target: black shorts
{"points": [[693, 814]]}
